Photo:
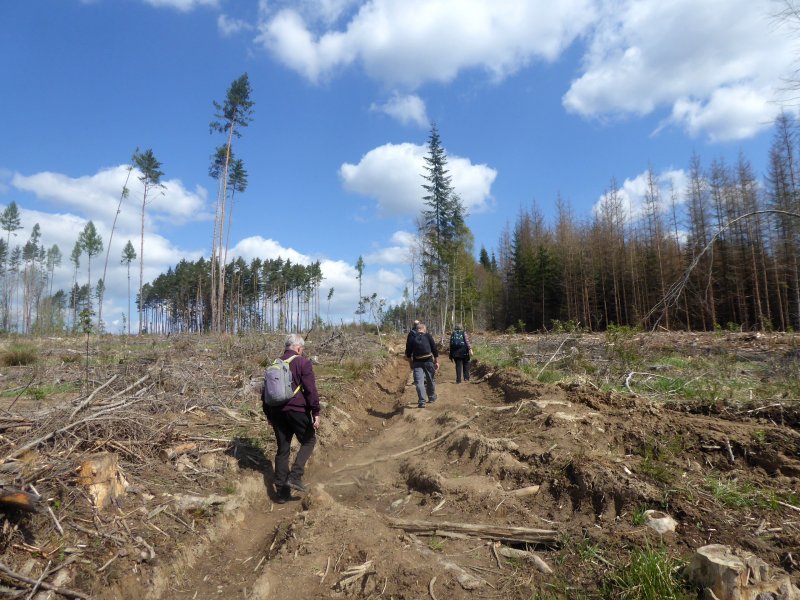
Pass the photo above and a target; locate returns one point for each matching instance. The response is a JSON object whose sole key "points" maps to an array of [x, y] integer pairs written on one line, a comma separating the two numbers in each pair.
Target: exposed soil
{"points": [[598, 458]]}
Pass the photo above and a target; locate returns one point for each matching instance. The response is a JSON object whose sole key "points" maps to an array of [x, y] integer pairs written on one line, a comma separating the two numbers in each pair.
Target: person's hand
{"points": [[436, 365], [315, 422]]}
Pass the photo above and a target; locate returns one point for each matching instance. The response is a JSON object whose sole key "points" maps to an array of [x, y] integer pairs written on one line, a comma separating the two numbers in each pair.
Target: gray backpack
{"points": [[278, 387]]}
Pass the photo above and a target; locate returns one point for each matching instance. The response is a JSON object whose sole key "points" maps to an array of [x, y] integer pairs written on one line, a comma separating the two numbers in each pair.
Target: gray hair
{"points": [[459, 326], [293, 339]]}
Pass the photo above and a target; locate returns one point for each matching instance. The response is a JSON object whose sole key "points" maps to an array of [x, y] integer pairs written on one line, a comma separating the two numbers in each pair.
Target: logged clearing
{"points": [[505, 487]]}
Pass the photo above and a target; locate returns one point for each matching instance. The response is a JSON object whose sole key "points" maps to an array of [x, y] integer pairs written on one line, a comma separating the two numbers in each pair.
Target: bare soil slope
{"points": [[413, 503]]}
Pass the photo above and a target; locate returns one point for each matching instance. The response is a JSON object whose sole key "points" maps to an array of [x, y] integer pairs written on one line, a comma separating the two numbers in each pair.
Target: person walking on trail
{"points": [[423, 357], [299, 417], [460, 352]]}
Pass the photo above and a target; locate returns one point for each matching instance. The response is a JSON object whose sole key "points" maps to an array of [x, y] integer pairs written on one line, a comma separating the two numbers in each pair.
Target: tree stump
{"points": [[100, 474], [727, 576]]}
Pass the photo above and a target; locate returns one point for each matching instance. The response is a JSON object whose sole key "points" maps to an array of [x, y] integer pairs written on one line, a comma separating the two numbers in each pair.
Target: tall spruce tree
{"points": [[445, 237]]}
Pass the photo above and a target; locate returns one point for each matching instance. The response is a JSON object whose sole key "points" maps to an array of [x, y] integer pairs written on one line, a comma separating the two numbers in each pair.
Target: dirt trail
{"points": [[597, 457], [270, 548]]}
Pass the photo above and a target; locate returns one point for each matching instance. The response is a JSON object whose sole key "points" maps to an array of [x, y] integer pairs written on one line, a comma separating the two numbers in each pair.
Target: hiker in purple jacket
{"points": [[299, 417]]}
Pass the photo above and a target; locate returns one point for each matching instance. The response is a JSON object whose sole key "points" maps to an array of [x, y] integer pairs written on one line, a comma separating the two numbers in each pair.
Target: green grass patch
{"points": [[436, 544], [638, 518], [732, 493], [651, 574], [19, 355]]}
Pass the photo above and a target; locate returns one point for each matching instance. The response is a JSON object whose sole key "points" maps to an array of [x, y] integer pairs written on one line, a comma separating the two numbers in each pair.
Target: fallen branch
{"points": [[353, 574], [787, 505], [91, 396], [430, 588], [490, 532], [552, 357], [23, 449], [465, 579], [410, 450], [63, 591], [538, 562]]}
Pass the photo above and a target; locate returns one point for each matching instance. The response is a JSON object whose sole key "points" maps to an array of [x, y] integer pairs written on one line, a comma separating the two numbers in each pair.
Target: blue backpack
{"points": [[458, 344]]}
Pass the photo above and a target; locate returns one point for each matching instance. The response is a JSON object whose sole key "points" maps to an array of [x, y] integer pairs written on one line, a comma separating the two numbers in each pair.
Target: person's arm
{"points": [[434, 351], [309, 383]]}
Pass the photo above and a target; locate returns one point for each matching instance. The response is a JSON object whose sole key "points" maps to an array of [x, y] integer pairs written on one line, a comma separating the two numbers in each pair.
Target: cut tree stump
{"points": [[724, 575], [487, 532], [14, 498], [101, 475]]}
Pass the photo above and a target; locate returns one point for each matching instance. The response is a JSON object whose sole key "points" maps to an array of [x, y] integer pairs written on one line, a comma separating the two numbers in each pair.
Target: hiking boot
{"points": [[283, 494], [421, 405], [296, 484]]}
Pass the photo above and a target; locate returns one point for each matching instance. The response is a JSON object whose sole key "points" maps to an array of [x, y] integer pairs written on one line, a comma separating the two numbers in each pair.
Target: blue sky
{"points": [[532, 98]]}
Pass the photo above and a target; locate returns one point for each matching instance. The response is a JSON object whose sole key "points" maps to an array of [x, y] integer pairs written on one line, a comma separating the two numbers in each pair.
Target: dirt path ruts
{"points": [[235, 565]]}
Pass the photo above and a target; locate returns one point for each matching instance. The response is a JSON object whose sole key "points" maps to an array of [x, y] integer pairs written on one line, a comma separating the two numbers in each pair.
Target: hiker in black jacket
{"points": [[423, 357], [460, 352]]}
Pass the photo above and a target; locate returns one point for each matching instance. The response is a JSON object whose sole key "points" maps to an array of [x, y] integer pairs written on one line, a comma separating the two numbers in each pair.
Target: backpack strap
{"points": [[288, 361]]}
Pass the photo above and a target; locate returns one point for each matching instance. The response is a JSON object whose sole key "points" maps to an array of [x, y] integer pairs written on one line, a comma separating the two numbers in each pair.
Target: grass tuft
{"points": [[650, 575], [19, 355]]}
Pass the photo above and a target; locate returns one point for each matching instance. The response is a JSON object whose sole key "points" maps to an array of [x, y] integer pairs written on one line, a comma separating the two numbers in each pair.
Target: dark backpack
{"points": [[278, 385], [458, 344], [420, 346]]}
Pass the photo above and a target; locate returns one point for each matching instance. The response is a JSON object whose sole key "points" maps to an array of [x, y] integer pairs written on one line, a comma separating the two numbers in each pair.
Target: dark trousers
{"points": [[462, 365], [286, 424]]}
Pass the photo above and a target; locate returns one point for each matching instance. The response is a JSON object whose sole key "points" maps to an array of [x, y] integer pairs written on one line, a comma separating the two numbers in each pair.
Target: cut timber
{"points": [[167, 454], [538, 562], [101, 475], [192, 502], [12, 498], [488, 532], [465, 579], [530, 490]]}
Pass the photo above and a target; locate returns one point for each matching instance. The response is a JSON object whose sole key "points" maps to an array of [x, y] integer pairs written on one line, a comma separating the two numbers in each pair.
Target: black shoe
{"points": [[283, 495], [296, 484], [421, 405], [431, 400]]}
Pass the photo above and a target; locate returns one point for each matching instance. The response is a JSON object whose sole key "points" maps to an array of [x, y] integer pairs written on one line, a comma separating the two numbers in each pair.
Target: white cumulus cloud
{"points": [[410, 42], [405, 109], [181, 5], [98, 195], [230, 26], [397, 253], [392, 175], [633, 192], [718, 64], [337, 274]]}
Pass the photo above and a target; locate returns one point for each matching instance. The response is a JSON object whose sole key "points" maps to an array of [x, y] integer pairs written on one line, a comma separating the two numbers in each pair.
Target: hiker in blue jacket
{"points": [[423, 358], [460, 352], [299, 417]]}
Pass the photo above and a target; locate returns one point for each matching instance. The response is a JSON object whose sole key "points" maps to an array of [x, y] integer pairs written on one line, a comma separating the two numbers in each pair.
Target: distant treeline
{"points": [[727, 256]]}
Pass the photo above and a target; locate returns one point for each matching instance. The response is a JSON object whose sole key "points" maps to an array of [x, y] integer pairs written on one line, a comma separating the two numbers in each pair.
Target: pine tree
{"points": [[91, 243], [150, 175], [231, 116], [128, 256]]}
